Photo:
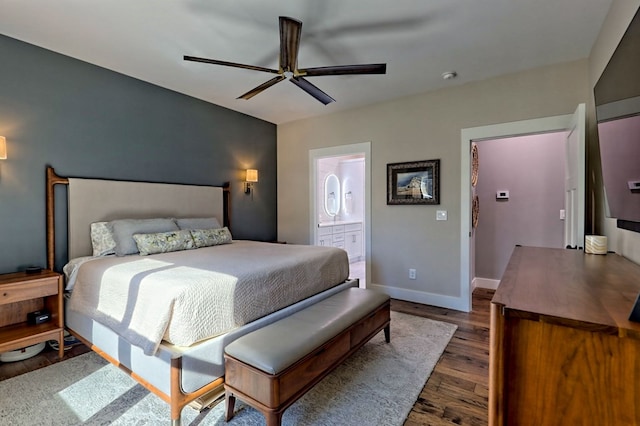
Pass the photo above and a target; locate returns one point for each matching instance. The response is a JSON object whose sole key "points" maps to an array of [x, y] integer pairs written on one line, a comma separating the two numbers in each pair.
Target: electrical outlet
{"points": [[412, 274]]}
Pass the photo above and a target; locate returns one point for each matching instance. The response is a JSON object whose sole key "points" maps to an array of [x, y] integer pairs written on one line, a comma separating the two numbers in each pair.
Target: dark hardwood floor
{"points": [[456, 392]]}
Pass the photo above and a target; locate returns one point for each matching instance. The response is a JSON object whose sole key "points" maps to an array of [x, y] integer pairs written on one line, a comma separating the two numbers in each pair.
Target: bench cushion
{"points": [[277, 346]]}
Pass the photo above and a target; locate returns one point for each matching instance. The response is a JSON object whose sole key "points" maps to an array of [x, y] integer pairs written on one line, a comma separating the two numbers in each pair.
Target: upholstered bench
{"points": [[272, 367]]}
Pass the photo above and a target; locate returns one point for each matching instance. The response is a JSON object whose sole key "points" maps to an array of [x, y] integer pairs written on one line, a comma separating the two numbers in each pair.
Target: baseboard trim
{"points": [[423, 297], [485, 283]]}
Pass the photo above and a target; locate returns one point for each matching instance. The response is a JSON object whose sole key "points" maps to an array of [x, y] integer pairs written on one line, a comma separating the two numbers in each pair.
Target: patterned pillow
{"points": [[164, 242], [211, 237], [102, 239]]}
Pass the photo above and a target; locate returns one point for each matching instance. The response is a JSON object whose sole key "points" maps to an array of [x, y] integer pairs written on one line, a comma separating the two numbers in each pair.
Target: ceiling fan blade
{"points": [[345, 70], [251, 93], [312, 90], [290, 30], [229, 64]]}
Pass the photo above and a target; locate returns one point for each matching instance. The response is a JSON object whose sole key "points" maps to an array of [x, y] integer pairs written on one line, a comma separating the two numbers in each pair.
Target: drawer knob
{"points": [[5, 294]]}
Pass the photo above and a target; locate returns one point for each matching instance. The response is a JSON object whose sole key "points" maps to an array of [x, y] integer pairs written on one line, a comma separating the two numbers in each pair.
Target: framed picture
{"points": [[415, 182]]}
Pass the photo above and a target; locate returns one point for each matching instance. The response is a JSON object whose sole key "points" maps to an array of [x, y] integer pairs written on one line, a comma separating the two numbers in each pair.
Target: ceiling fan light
{"points": [[449, 75]]}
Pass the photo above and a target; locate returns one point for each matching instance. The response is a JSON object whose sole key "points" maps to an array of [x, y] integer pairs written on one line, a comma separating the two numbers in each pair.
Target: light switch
{"points": [[441, 215]]}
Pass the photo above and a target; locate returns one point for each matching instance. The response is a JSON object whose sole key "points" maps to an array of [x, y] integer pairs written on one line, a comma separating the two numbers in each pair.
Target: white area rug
{"points": [[378, 385]]}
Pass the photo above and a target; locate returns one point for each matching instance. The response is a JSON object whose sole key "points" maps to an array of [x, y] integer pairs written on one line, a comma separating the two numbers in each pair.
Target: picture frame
{"points": [[414, 182]]}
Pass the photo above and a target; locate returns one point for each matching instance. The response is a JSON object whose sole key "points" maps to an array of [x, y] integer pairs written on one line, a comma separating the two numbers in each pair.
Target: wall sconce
{"points": [[252, 177], [3, 148]]}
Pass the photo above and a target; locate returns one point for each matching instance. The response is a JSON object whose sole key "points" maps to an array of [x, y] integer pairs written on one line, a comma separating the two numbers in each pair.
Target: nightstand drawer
{"points": [[22, 293], [18, 292]]}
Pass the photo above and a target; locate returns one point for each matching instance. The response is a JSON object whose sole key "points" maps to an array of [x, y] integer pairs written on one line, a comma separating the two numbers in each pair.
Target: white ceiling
{"points": [[418, 39]]}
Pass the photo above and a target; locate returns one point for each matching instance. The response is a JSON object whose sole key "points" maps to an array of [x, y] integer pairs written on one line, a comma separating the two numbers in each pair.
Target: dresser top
{"points": [[571, 288]]}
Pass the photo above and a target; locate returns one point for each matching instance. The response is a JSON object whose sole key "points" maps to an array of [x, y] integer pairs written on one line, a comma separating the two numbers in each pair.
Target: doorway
{"points": [[340, 203], [574, 184], [521, 198]]}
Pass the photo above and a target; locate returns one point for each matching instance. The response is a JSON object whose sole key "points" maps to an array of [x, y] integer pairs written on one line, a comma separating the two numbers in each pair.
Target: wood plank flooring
{"points": [[456, 392]]}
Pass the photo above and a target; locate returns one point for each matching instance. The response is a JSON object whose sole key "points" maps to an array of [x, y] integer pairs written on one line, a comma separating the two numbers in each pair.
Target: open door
{"points": [[574, 125], [575, 181], [354, 238]]}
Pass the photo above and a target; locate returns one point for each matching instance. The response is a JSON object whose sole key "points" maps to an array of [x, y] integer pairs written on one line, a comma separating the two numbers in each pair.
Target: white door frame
{"points": [[516, 128], [338, 151]]}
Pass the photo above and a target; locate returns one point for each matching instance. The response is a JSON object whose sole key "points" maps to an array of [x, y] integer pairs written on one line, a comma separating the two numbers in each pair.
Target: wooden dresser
{"points": [[562, 349]]}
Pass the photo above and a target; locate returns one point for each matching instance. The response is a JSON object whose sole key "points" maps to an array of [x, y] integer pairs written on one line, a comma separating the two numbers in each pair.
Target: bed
{"points": [[179, 357]]}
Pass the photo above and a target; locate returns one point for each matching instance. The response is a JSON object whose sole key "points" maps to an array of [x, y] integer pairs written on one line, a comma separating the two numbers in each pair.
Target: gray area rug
{"points": [[378, 385]]}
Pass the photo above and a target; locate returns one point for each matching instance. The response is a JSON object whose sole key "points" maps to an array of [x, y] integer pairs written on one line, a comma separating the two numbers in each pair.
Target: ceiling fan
{"points": [[290, 30]]}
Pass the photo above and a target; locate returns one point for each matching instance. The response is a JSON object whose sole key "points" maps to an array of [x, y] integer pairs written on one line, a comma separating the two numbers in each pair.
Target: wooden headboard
{"points": [[93, 200]]}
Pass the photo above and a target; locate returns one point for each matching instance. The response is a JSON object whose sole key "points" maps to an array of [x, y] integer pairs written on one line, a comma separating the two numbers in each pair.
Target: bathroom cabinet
{"points": [[345, 235]]}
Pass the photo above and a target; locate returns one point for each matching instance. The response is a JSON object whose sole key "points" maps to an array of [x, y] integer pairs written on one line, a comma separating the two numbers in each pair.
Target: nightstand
{"points": [[21, 293]]}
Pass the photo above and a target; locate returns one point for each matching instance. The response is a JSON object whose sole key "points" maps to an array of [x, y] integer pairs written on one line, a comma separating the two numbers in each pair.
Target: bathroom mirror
{"points": [[332, 195]]}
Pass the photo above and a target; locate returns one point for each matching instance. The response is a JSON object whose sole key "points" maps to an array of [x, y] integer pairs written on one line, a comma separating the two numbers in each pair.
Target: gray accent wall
{"points": [[87, 121]]}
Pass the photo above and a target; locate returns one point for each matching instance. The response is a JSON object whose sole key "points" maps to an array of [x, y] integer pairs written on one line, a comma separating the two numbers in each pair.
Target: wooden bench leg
{"points": [[274, 418], [387, 333], [230, 402]]}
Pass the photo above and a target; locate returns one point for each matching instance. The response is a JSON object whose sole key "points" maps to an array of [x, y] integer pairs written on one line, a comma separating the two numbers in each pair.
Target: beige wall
{"points": [[621, 241], [420, 127]]}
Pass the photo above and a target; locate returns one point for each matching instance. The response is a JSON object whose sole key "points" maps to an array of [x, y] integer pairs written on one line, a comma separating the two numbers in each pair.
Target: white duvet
{"points": [[187, 296]]}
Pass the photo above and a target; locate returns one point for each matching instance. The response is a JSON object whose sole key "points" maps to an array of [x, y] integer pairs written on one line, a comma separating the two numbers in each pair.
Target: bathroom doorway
{"points": [[340, 203]]}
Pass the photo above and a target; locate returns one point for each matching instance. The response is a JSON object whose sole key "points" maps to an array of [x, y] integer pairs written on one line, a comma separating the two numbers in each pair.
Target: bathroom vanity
{"points": [[342, 234]]}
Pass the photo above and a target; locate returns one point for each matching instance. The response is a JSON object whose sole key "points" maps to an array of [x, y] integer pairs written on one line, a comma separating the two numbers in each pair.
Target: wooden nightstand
{"points": [[21, 293]]}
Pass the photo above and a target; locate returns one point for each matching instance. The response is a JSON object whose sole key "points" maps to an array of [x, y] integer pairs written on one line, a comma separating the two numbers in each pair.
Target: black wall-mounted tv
{"points": [[617, 99]]}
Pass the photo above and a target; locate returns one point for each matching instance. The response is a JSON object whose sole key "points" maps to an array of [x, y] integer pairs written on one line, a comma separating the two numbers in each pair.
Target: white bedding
{"points": [[187, 296]]}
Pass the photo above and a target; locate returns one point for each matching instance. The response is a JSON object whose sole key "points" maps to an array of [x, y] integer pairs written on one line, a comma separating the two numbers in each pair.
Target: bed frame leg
{"points": [[230, 402], [175, 422]]}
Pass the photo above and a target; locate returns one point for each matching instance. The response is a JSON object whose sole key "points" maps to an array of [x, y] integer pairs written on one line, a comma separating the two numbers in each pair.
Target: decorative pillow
{"points": [[124, 229], [164, 242], [198, 223], [102, 239], [211, 237]]}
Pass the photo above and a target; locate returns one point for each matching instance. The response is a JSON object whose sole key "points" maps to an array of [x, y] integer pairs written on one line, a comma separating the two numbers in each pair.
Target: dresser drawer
{"points": [[337, 229], [338, 237]]}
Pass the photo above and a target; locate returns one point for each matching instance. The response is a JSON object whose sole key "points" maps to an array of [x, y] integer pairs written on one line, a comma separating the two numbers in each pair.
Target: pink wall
{"points": [[531, 168]]}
